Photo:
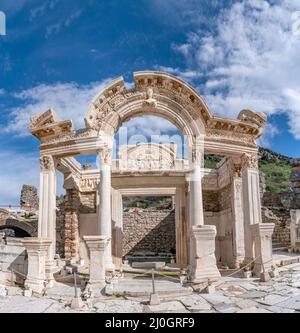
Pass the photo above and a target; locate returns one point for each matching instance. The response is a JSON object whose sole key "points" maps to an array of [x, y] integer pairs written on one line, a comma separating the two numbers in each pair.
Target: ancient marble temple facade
{"points": [[217, 212]]}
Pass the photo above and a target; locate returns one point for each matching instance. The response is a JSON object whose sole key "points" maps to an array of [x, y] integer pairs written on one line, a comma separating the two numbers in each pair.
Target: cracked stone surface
{"points": [[234, 295], [119, 306]]}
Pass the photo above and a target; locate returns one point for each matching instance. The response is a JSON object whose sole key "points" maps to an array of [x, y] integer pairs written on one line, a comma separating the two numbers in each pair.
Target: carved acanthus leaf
{"points": [[249, 161], [106, 155], [47, 163]]}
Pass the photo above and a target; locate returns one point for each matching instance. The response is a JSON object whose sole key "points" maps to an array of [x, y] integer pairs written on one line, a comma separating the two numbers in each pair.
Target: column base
{"points": [[109, 265], [50, 270], [37, 286], [203, 260]]}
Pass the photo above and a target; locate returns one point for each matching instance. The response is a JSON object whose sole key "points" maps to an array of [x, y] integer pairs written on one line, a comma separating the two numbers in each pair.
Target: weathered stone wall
{"points": [[67, 221], [211, 201], [216, 201], [60, 229], [87, 202], [276, 209], [29, 198], [281, 218], [148, 229], [295, 184], [225, 198]]}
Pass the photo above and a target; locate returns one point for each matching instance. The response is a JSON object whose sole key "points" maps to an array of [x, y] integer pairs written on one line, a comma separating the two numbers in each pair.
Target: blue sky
{"points": [[237, 54]]}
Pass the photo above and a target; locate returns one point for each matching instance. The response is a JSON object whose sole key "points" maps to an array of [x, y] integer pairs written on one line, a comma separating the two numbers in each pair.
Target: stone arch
{"points": [[154, 93], [28, 228]]}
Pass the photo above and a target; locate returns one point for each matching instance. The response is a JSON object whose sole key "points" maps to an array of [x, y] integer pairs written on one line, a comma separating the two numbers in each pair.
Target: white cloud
{"points": [[69, 100], [250, 61], [269, 133], [15, 169], [65, 22], [184, 74], [149, 125]]}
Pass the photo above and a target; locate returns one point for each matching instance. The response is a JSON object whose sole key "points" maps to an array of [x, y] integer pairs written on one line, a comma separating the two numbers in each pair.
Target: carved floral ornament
{"points": [[249, 161], [106, 156], [47, 163], [237, 170], [197, 155]]}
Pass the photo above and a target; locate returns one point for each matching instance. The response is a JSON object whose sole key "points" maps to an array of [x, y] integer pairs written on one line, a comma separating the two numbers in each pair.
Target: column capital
{"points": [[47, 163], [236, 169], [197, 155], [249, 161], [105, 155]]}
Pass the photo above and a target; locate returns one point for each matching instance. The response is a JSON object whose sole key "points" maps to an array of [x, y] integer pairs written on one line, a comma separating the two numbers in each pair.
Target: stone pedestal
{"points": [[37, 250], [203, 265], [262, 235], [96, 246]]}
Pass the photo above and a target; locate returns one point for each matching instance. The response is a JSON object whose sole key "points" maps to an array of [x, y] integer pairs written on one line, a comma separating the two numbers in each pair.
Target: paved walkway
{"points": [[233, 295]]}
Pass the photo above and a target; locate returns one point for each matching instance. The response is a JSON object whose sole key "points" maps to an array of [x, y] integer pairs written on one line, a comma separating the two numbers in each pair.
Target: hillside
{"points": [[276, 167]]}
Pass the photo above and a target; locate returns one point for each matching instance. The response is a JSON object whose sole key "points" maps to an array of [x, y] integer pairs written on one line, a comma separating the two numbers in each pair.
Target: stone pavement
{"points": [[233, 295]]}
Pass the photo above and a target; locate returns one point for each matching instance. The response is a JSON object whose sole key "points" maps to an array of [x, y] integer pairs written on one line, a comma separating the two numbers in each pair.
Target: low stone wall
{"points": [[13, 260], [148, 229], [281, 218]]}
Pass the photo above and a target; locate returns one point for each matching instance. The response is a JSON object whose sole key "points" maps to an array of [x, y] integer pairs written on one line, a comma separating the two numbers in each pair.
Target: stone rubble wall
{"points": [[281, 218], [295, 184], [13, 257], [148, 229], [29, 200], [87, 203]]}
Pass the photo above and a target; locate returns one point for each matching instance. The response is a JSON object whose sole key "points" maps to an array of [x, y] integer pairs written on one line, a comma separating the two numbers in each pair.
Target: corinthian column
{"points": [[251, 200], [104, 214], [196, 202], [202, 237], [47, 210], [237, 213]]}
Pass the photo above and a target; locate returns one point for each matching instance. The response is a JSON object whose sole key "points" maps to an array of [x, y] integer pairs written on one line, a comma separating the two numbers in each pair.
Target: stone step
{"points": [[279, 248], [148, 264], [131, 287]]}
